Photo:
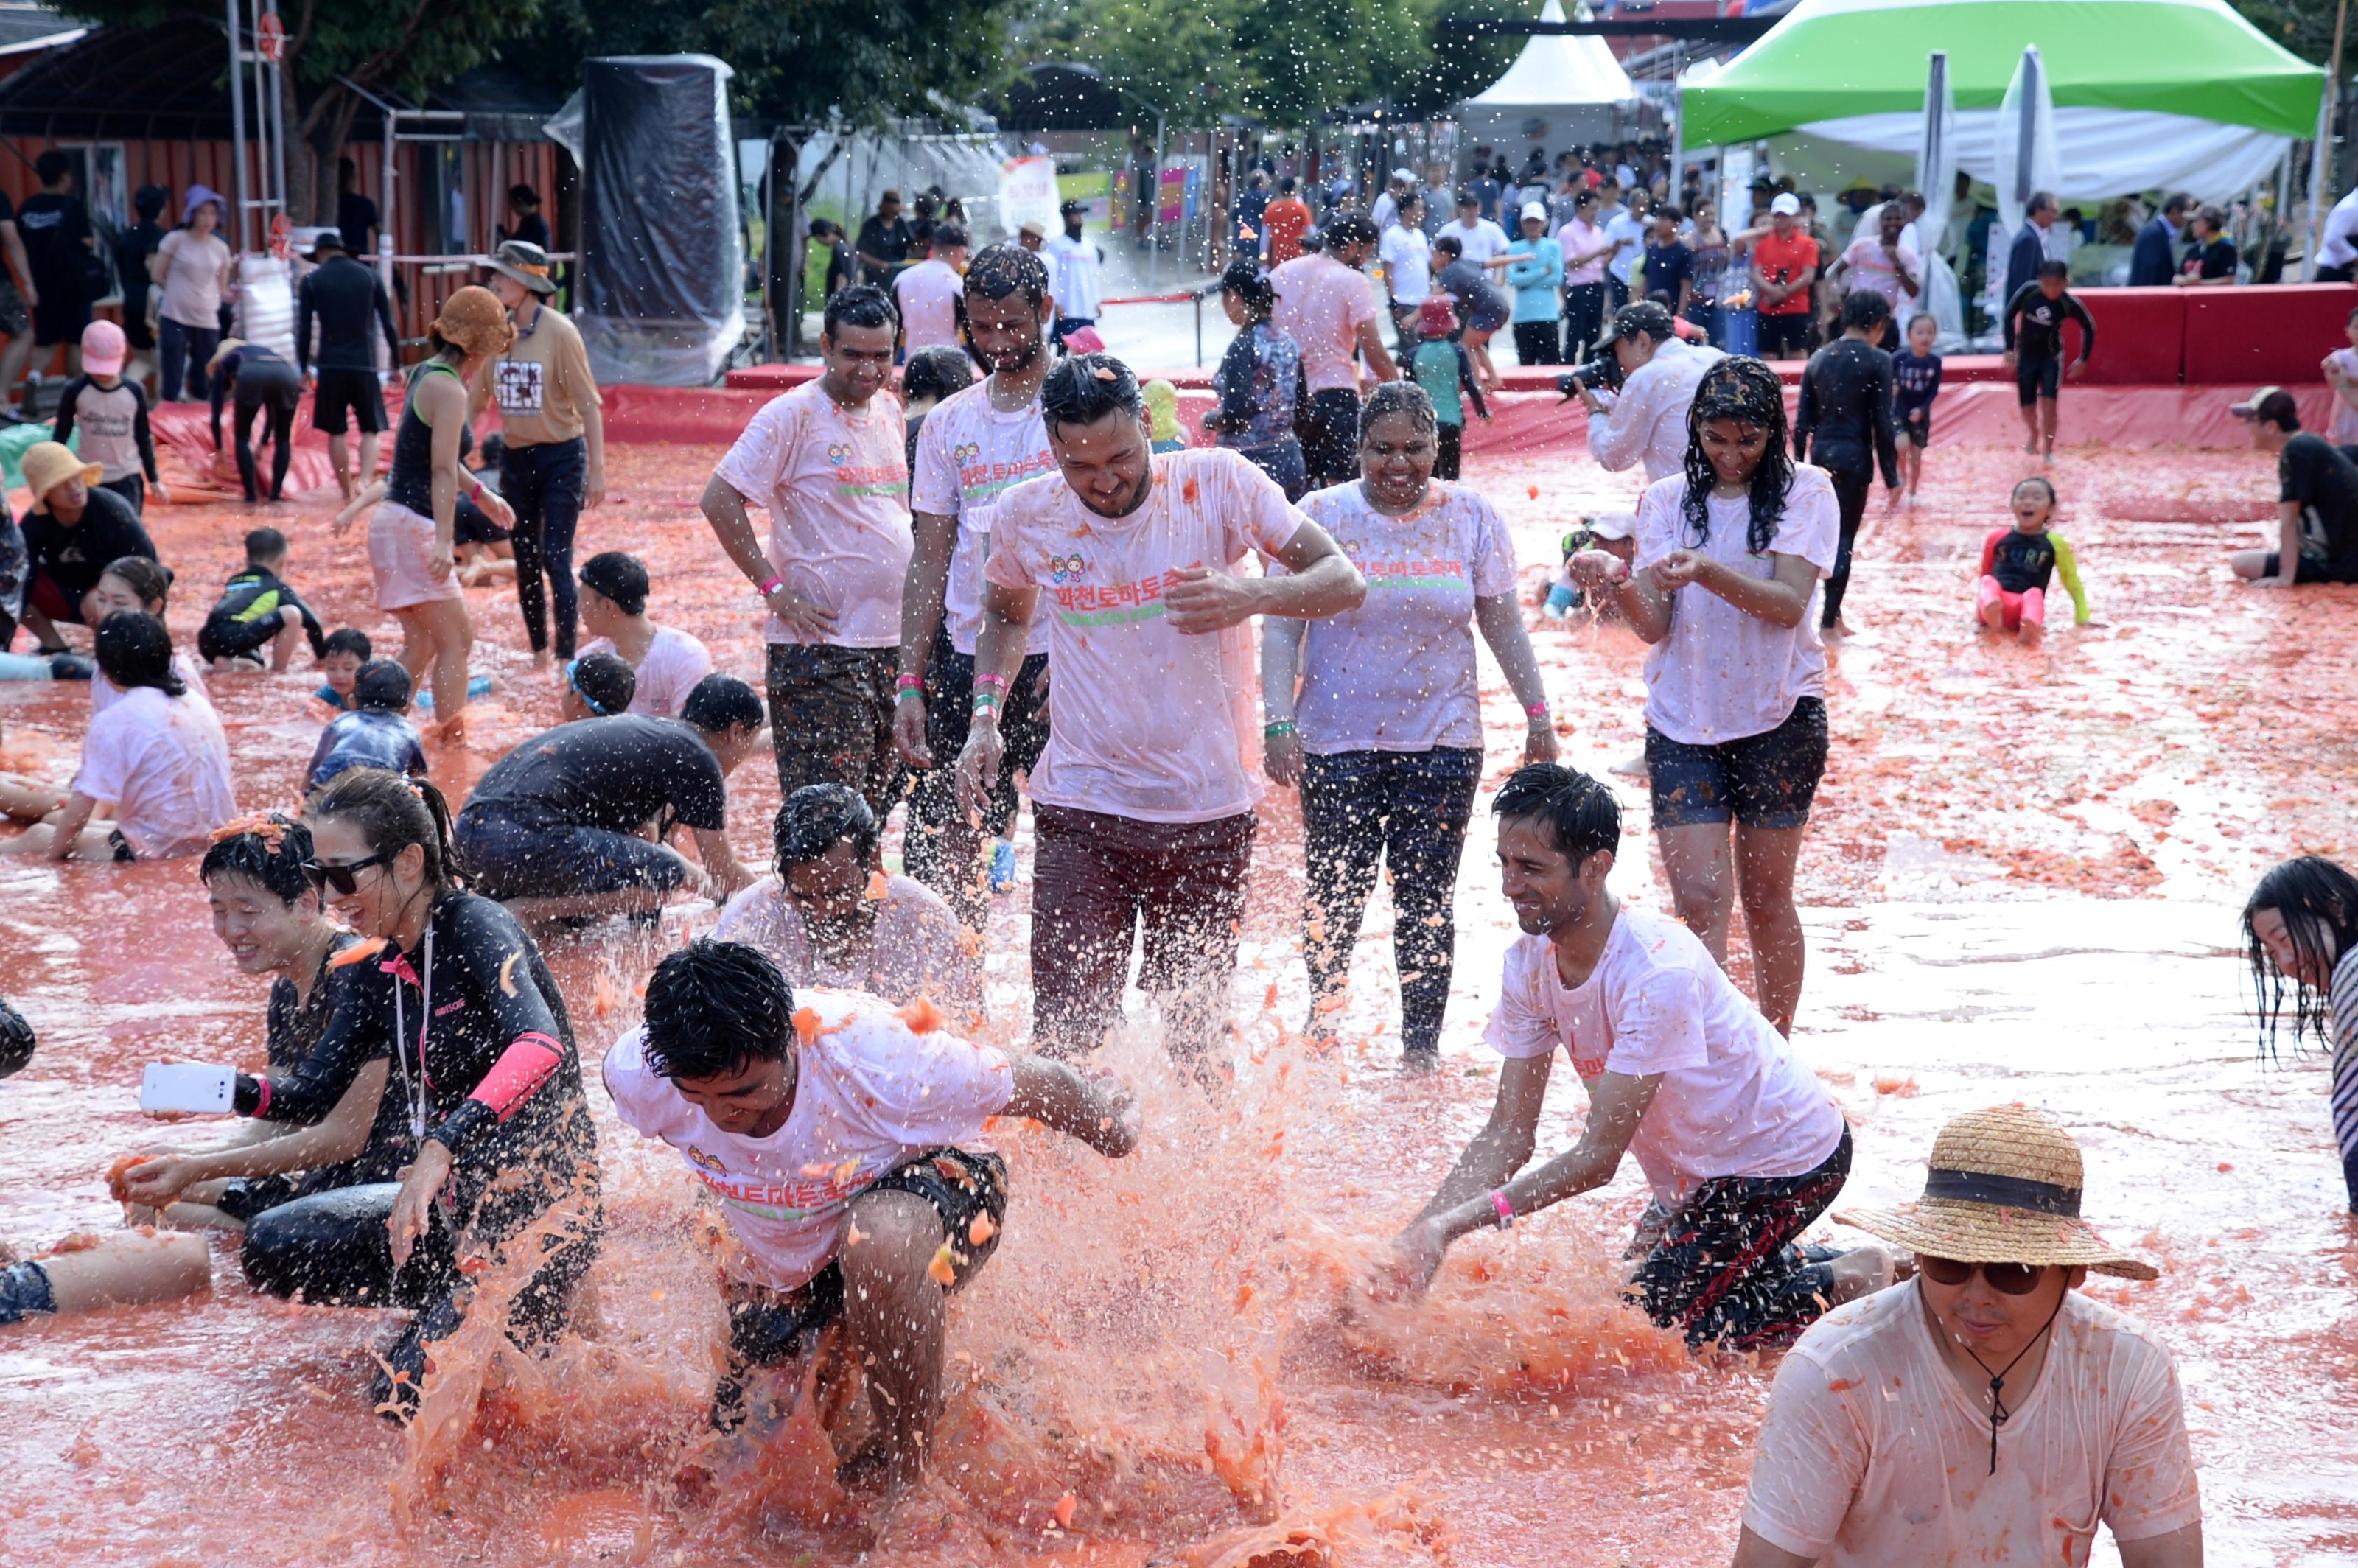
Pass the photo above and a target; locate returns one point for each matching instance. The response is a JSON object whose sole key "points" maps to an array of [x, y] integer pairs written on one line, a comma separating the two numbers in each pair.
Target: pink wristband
{"points": [[262, 1104], [1537, 710], [910, 683], [1506, 1210], [771, 586]]}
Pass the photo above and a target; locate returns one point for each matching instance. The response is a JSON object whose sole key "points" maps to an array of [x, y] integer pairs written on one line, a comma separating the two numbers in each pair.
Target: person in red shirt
{"points": [[1284, 222], [1784, 265]]}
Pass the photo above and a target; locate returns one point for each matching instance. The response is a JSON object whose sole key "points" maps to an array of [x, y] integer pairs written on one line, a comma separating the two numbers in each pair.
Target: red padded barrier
{"points": [[2140, 336], [2249, 337]]}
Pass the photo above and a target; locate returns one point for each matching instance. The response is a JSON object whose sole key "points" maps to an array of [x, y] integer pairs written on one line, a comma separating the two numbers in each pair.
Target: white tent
{"points": [[1563, 91]]}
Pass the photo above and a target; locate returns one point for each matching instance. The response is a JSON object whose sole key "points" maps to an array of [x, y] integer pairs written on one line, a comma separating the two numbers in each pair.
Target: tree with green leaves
{"points": [[407, 48]]}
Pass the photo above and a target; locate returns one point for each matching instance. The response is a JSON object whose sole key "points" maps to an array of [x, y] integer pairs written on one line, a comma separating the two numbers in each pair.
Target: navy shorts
{"points": [[1913, 426], [24, 1291], [1762, 781], [525, 854], [2037, 376]]}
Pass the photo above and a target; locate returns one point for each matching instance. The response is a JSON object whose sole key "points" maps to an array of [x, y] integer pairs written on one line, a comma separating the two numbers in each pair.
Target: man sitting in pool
{"points": [[850, 1173]]}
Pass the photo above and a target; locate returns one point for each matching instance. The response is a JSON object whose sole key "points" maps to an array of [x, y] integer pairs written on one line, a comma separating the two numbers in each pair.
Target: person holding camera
{"points": [[1646, 421]]}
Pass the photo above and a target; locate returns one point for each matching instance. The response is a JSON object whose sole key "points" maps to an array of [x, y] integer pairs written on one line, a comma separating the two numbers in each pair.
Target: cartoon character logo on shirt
{"points": [[839, 453], [965, 452], [707, 1162], [1066, 569]]}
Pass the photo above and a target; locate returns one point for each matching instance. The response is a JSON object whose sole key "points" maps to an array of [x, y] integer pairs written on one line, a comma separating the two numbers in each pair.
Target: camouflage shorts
{"points": [[831, 720]]}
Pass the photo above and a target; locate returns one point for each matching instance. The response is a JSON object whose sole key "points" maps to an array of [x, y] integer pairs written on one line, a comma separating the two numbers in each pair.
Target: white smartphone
{"points": [[187, 1086]]}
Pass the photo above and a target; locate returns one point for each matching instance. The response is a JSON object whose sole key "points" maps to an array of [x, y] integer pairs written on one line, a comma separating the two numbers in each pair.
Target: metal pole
{"points": [[277, 123], [237, 121], [1154, 229], [1199, 328], [2318, 164]]}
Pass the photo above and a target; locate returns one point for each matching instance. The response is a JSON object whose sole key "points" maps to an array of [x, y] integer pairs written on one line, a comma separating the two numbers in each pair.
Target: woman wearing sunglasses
{"points": [[484, 1097], [1988, 1412]]}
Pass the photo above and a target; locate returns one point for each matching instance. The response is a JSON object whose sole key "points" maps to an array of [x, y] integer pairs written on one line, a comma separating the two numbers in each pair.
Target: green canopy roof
{"points": [[1828, 60]]}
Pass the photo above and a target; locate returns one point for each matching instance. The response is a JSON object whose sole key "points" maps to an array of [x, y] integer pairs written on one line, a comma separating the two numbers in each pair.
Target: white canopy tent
{"points": [[1564, 91]]}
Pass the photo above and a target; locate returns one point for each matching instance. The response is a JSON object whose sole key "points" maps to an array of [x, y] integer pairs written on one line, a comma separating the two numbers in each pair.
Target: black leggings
{"points": [[277, 389], [1850, 496], [332, 1250], [546, 486], [1407, 808]]}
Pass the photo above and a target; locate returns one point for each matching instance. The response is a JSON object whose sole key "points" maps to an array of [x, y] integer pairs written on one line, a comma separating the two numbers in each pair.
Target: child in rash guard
{"points": [[258, 609], [1915, 382], [376, 734], [841, 1139], [110, 414], [2017, 563]]}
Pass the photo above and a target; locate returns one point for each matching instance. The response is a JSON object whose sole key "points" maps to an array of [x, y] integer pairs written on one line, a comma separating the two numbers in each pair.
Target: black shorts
{"points": [[1687, 1281], [768, 1326], [24, 1291], [59, 319], [124, 854], [1782, 335], [1913, 426], [1762, 781], [470, 525], [343, 396], [2037, 376], [224, 636], [2310, 569], [524, 853], [14, 319], [132, 488]]}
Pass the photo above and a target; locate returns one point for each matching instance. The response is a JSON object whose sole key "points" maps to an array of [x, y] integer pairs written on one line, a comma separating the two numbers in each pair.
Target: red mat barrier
{"points": [[2249, 337], [2140, 336]]}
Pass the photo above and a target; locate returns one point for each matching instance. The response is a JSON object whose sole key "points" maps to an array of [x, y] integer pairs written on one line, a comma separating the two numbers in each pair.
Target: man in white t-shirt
{"points": [[1625, 232], [1480, 240], [849, 1172], [666, 661], [1985, 1412], [1407, 256], [1328, 307], [973, 446], [1077, 263], [1736, 1138], [927, 293], [1143, 802], [829, 463]]}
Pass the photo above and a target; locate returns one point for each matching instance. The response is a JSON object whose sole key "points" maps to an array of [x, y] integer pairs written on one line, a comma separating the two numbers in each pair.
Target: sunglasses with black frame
{"points": [[344, 878]]}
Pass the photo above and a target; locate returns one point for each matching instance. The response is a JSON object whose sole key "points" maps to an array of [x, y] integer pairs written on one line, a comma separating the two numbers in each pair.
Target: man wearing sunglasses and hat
{"points": [[1985, 1412], [555, 461]]}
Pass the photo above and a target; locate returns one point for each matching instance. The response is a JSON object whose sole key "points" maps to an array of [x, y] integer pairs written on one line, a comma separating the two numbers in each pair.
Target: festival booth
{"points": [[1563, 93]]}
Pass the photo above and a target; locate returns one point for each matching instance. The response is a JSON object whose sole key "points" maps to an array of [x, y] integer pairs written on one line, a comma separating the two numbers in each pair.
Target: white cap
{"points": [[1614, 525], [1404, 176], [1535, 210], [1787, 204]]}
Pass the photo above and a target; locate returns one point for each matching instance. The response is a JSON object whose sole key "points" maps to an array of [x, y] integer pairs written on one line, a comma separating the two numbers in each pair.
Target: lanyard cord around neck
{"points": [[413, 1089], [1999, 1414]]}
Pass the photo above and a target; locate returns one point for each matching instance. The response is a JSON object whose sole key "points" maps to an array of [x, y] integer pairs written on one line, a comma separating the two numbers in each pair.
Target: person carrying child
{"points": [[1439, 364], [376, 733], [2017, 564], [1915, 382], [112, 416], [257, 610]]}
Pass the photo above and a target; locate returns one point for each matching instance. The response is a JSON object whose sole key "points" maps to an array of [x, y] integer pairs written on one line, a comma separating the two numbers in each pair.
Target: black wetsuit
{"points": [[524, 1154], [294, 1028], [258, 380], [2023, 562], [246, 618], [561, 813], [1845, 418], [2036, 344]]}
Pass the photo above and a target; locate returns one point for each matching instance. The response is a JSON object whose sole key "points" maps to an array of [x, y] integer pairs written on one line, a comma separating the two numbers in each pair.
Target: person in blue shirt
{"points": [[1535, 266], [1260, 383], [375, 733], [1439, 365]]}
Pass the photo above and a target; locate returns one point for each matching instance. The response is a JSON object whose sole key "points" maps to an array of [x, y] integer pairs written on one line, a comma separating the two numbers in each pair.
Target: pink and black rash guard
{"points": [[501, 1081]]}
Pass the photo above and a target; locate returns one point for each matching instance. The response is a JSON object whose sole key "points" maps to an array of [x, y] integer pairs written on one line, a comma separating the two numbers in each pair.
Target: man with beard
{"points": [[1142, 806], [974, 445]]}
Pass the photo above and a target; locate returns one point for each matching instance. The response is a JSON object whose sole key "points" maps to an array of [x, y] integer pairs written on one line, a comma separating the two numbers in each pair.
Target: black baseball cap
{"points": [[1647, 315]]}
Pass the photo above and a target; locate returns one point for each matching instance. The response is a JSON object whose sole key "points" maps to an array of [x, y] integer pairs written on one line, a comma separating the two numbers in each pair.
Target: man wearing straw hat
{"points": [[1985, 1412]]}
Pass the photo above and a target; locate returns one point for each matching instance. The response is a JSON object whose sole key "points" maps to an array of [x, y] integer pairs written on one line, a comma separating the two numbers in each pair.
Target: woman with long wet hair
{"points": [[2301, 924], [1724, 586]]}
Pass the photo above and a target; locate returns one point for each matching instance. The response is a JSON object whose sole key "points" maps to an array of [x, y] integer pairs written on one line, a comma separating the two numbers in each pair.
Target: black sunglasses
{"points": [[2006, 1279], [344, 878]]}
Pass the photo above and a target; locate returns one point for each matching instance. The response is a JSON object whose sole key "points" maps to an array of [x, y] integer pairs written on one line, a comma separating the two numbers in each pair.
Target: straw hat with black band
{"points": [[2004, 1187], [523, 261]]}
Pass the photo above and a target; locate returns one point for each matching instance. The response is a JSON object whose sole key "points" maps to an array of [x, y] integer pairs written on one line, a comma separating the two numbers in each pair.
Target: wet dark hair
{"points": [[1744, 389], [347, 640], [948, 236], [1582, 816], [620, 578], [523, 196], [1254, 292], [382, 682], [52, 165], [721, 702], [1085, 388], [997, 271], [935, 373], [1350, 229], [865, 305], [605, 681], [265, 545], [714, 1009], [2055, 269], [1865, 308], [271, 853], [392, 812], [134, 650], [492, 450], [2039, 479], [2310, 892], [150, 581], [816, 819], [1449, 244], [16, 1041], [1388, 397]]}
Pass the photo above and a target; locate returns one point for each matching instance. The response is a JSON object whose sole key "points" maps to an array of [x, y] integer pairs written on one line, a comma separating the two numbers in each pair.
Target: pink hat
{"points": [[1436, 317], [1084, 341], [102, 349]]}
